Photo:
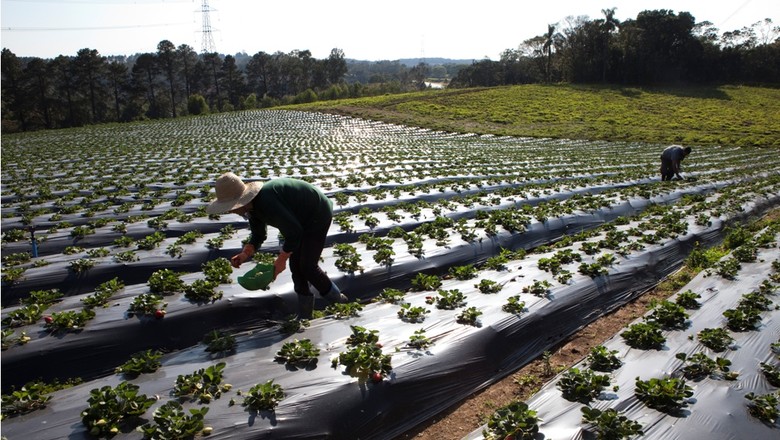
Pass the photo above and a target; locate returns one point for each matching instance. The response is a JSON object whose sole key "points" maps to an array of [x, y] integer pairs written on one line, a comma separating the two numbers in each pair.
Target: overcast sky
{"points": [[364, 29]]}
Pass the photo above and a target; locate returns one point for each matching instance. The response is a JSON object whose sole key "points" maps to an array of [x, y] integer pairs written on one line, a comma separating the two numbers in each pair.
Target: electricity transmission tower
{"points": [[207, 44]]}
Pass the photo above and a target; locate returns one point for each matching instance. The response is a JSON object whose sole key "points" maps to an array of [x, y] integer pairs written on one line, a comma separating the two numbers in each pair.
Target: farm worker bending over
{"points": [[303, 215], [670, 161]]}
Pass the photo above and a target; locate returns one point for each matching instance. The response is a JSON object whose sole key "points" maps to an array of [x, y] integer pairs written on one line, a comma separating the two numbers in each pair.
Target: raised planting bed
{"points": [[466, 256]]}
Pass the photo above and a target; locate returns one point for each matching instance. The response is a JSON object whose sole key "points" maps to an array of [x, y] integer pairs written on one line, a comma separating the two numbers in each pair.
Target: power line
{"points": [[91, 28]]}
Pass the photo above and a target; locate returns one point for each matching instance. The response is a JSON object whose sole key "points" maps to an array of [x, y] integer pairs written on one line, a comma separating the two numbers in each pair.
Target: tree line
{"points": [[90, 88], [657, 47]]}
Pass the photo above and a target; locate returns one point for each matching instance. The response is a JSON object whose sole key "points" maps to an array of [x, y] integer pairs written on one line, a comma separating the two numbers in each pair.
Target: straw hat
{"points": [[232, 193]]}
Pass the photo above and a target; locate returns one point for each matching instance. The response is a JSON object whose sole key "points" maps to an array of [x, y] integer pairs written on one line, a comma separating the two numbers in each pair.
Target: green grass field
{"points": [[725, 115]]}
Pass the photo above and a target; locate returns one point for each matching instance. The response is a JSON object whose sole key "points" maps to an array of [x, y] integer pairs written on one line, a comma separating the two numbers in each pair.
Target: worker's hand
{"points": [[238, 259], [246, 253], [280, 264]]}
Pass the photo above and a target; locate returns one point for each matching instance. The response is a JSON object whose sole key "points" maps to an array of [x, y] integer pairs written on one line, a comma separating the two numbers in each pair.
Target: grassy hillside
{"points": [[726, 115]]}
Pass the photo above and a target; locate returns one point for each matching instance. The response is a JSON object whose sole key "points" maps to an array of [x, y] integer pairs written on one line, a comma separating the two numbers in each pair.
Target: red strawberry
{"points": [[48, 319], [159, 314], [377, 377], [378, 345]]}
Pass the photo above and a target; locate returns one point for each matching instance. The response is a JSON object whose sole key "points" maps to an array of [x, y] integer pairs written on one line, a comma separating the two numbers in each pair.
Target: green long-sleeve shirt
{"points": [[292, 206]]}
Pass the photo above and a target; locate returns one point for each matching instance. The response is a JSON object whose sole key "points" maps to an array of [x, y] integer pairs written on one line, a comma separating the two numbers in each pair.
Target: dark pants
{"points": [[667, 170], [304, 264]]}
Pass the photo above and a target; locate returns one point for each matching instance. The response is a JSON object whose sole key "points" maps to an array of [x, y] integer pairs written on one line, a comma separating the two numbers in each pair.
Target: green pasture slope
{"points": [[725, 115]]}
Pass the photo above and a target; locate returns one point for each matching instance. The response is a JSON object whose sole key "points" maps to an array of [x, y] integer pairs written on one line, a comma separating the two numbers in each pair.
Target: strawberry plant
{"points": [[592, 270], [81, 265], [771, 373], [264, 396], [449, 299], [644, 335], [204, 384], [699, 365], [764, 407], [419, 341], [539, 288], [392, 296], [68, 320], [24, 315], [755, 301], [348, 259], [688, 300], [103, 293], [30, 397], [514, 305], [667, 315], [667, 395], [416, 314], [146, 304], [13, 274], [463, 273], [219, 342], [202, 291], [514, 421], [363, 360], [98, 253], [217, 271], [489, 286], [112, 410], [298, 353], [610, 424], [140, 363], [602, 359], [10, 339], [361, 335], [582, 386], [126, 257], [43, 298], [171, 422], [423, 282], [716, 339], [150, 241], [165, 282], [727, 268], [742, 319], [292, 324], [469, 316], [344, 310]]}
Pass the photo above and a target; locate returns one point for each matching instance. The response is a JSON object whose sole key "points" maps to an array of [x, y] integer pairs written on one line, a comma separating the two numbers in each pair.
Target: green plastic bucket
{"points": [[258, 278]]}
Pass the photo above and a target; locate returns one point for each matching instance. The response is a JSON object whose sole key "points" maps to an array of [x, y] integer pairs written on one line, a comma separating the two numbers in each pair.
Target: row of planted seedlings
{"points": [[371, 361], [172, 167], [508, 195], [708, 356], [438, 230], [493, 198]]}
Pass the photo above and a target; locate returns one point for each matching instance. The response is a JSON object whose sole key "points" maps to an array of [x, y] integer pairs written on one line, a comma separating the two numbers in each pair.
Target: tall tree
{"points": [[65, 83], [213, 65], [88, 66], [233, 80], [13, 87], [257, 73], [37, 74], [116, 73], [144, 77], [547, 48], [166, 57], [188, 58], [609, 26], [336, 66]]}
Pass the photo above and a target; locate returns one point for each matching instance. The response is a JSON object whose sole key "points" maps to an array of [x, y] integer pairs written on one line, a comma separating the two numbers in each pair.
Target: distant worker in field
{"points": [[303, 215], [670, 161]]}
